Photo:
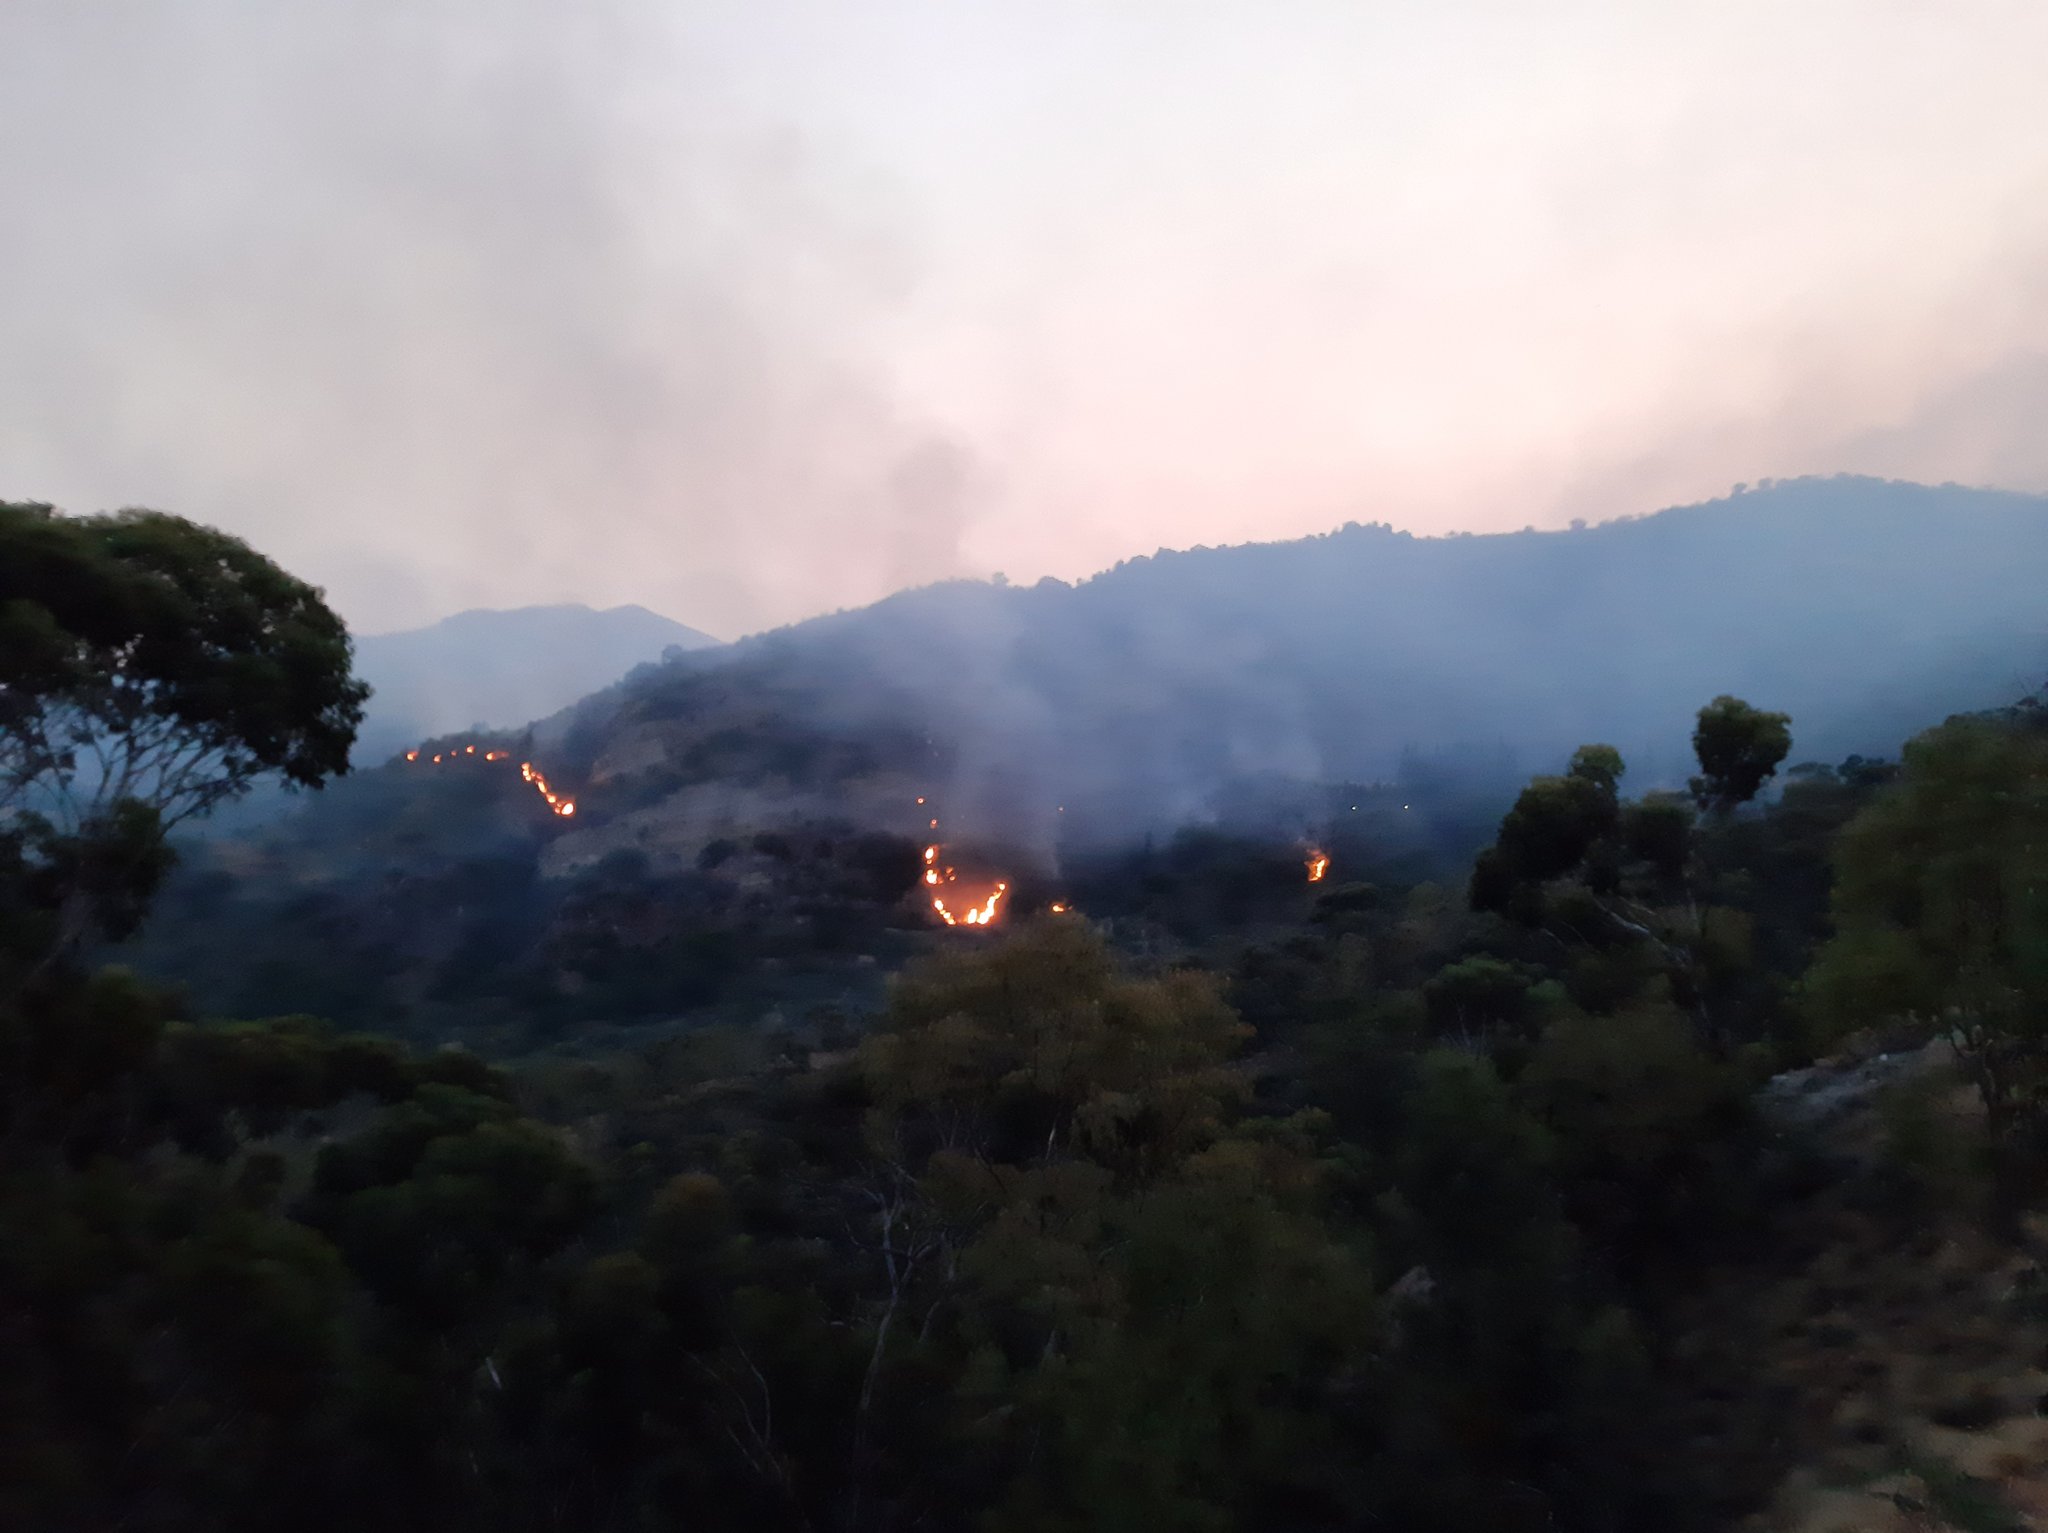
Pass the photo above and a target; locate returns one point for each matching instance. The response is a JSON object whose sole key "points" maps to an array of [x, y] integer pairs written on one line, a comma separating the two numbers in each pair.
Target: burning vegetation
{"points": [[939, 878], [972, 903], [559, 803]]}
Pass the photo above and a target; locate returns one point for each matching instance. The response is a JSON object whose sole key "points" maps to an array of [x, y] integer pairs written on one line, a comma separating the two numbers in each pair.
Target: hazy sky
{"points": [[750, 310]]}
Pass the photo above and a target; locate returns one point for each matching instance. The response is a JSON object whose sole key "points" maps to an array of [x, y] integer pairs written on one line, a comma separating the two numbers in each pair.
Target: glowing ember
{"points": [[1318, 865], [559, 803]]}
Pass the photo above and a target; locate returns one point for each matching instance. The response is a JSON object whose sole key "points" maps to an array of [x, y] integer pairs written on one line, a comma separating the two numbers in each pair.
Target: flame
{"points": [[559, 803], [935, 877], [983, 914], [561, 806], [1318, 864], [1060, 907]]}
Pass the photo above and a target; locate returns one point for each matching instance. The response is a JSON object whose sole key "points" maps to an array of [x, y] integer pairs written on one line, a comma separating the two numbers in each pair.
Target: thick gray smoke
{"points": [[742, 313], [1236, 685], [442, 302]]}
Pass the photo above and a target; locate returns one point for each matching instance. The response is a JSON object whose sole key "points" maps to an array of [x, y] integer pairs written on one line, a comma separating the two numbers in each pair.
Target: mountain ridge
{"points": [[1865, 608], [500, 667]]}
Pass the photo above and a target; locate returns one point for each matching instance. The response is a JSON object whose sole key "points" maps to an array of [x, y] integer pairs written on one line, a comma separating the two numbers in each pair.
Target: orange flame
{"points": [[1318, 865], [983, 914], [561, 806], [559, 803], [1059, 907]]}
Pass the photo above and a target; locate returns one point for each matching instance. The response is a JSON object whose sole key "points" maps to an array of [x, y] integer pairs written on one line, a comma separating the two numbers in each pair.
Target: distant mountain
{"points": [[1138, 699], [502, 668]]}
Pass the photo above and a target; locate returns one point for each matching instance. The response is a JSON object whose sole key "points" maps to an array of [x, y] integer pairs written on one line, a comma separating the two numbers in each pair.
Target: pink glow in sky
{"points": [[751, 310]]}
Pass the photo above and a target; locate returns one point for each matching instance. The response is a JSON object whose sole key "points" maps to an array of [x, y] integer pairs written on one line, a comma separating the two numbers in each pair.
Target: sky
{"points": [[749, 311]]}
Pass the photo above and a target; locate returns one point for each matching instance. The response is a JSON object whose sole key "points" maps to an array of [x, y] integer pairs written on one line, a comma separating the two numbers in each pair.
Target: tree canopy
{"points": [[1739, 748], [145, 657], [1941, 907], [150, 669]]}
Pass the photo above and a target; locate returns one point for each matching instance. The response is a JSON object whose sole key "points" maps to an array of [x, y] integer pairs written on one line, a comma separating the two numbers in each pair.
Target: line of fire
{"points": [[559, 803], [978, 901], [956, 901]]}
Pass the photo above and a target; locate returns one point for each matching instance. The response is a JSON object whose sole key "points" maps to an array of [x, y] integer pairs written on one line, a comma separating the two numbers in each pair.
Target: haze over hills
{"points": [[1381, 695], [1866, 609], [502, 668]]}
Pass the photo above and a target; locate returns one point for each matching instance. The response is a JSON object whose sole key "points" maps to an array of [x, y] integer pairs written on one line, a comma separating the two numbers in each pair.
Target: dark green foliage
{"points": [[1657, 831], [1482, 996], [1941, 912], [1600, 765], [1060, 1231], [150, 669], [1661, 893], [1739, 749], [1554, 825], [178, 656]]}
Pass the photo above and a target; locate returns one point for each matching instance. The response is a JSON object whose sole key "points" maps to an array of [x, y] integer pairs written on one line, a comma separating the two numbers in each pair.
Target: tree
{"points": [[150, 670], [1479, 997], [1150, 1321], [1573, 859], [1739, 749], [1040, 1047], [1941, 911]]}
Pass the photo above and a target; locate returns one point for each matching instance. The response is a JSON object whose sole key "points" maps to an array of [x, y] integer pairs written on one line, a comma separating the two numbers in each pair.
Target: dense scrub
{"points": [[1410, 1198], [1388, 1214]]}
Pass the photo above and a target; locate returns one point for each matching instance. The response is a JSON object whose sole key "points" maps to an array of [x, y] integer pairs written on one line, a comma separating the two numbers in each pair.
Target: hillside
{"points": [[1158, 742], [1150, 695], [1613, 1178], [501, 668]]}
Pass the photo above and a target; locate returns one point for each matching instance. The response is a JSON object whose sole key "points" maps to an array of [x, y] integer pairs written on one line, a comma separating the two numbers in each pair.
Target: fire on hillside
{"points": [[940, 880], [974, 900], [561, 804]]}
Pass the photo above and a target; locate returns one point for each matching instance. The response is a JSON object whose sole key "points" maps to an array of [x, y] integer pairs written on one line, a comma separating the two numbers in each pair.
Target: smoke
{"points": [[1940, 394], [743, 313], [446, 303], [931, 493]]}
